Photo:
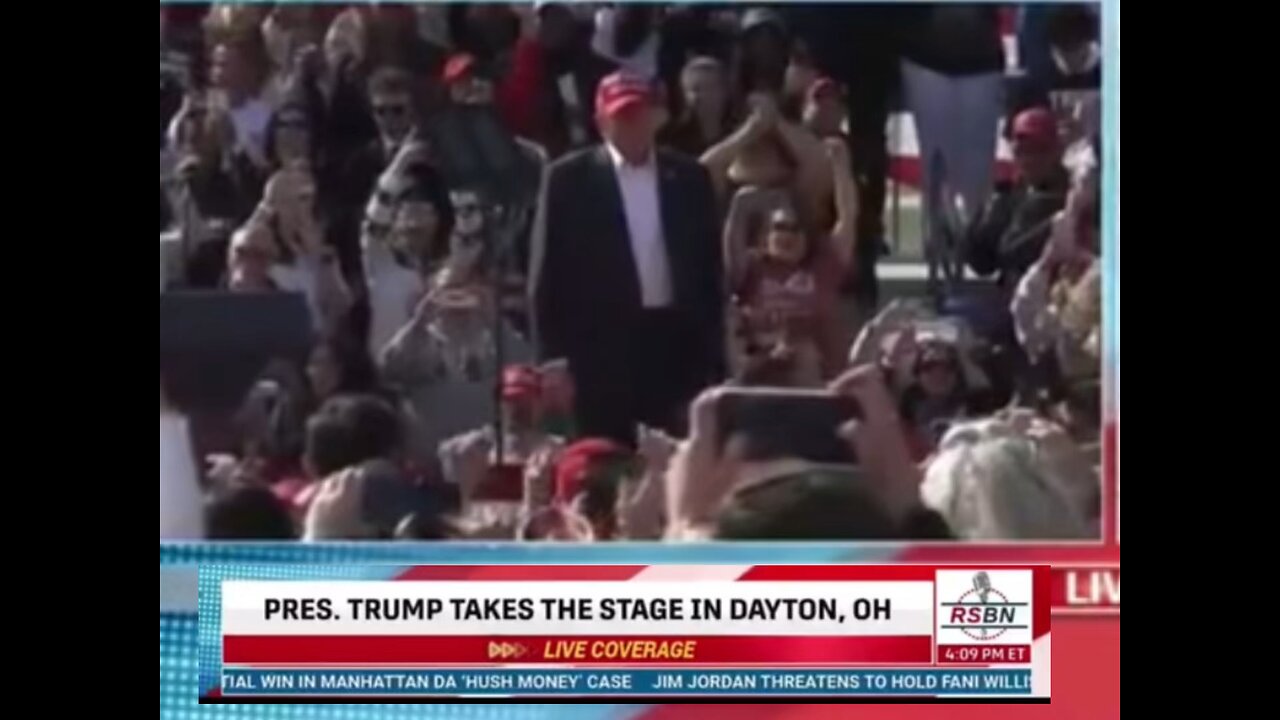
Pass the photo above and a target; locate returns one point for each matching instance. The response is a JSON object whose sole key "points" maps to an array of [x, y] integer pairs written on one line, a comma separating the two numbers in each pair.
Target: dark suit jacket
{"points": [[586, 288]]}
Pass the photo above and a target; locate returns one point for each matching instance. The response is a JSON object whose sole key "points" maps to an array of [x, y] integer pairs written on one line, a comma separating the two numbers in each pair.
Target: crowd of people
{"points": [[537, 244]]}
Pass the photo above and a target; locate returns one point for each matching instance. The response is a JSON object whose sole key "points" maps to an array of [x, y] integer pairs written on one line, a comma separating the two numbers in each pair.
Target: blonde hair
{"points": [[230, 22], [1012, 477]]}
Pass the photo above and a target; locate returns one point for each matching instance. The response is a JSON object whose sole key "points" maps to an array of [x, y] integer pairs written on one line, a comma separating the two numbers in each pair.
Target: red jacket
{"points": [[518, 94]]}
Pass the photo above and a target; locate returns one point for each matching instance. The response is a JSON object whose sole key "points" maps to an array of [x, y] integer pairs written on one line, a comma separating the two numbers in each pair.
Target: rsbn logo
{"points": [[983, 612]]}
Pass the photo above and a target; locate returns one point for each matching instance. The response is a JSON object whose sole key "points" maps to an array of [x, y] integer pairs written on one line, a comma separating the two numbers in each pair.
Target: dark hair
{"points": [[358, 373], [273, 415], [390, 80], [747, 74], [292, 106], [1070, 25], [348, 122], [349, 430], [427, 185], [807, 506], [246, 513], [760, 226]]}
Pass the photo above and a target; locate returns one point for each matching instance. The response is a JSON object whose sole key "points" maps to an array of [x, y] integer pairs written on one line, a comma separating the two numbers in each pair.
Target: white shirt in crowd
{"points": [[393, 292], [250, 121], [639, 188]]}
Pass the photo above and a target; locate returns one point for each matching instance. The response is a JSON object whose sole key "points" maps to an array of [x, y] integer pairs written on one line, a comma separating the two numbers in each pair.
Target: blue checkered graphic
{"points": [[179, 688], [209, 599]]}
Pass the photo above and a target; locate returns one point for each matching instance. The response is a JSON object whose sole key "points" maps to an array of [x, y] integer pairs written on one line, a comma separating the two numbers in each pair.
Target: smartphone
{"points": [[787, 423], [503, 482]]}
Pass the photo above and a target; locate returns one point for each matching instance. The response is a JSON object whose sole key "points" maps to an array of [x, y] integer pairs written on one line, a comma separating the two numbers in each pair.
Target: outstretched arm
{"points": [[843, 233], [748, 203], [718, 158], [812, 184]]}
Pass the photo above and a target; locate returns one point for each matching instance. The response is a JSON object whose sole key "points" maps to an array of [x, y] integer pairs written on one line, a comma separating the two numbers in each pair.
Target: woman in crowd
{"points": [[706, 117], [405, 240], [239, 75], [286, 31], [202, 138], [282, 248], [1057, 310], [930, 367], [768, 151], [203, 194], [787, 287], [945, 387]]}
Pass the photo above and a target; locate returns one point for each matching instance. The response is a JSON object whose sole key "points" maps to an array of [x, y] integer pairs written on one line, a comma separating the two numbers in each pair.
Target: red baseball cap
{"points": [[620, 90], [458, 67], [577, 460], [1037, 125], [520, 382]]}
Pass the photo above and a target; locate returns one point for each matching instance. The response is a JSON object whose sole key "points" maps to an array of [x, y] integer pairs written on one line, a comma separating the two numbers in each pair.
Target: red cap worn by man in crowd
{"points": [[1036, 125], [587, 475]]}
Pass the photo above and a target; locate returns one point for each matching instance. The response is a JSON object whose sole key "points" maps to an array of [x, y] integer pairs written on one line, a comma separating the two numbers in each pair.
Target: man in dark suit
{"points": [[626, 271]]}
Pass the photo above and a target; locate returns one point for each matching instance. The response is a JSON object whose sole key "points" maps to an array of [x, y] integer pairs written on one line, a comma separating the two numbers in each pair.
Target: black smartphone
{"points": [[787, 423]]}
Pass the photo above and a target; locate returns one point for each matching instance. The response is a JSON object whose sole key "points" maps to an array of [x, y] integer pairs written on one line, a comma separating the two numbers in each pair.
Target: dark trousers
{"points": [[646, 371], [871, 87]]}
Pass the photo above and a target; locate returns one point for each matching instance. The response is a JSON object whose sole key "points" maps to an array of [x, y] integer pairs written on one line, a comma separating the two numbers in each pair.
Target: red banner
{"points": [[1093, 589]]}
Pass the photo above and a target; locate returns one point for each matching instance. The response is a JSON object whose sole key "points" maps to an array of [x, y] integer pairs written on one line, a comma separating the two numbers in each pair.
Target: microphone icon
{"points": [[982, 585]]}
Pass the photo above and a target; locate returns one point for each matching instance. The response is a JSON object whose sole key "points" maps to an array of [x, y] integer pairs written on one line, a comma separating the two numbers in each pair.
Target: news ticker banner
{"points": [[627, 632]]}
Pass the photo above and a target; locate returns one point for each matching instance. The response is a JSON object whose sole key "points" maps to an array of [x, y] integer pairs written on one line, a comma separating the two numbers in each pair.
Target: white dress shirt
{"points": [[250, 121], [639, 187]]}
